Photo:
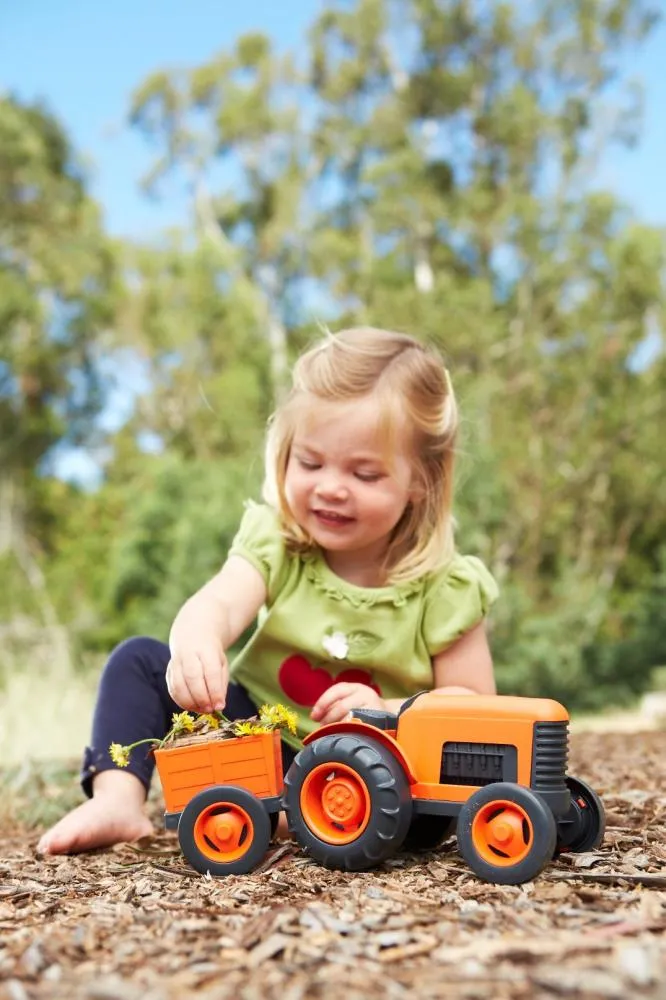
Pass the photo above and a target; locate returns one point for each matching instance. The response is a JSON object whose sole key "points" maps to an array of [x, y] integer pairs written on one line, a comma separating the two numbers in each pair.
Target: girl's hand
{"points": [[339, 700], [207, 624], [197, 675]]}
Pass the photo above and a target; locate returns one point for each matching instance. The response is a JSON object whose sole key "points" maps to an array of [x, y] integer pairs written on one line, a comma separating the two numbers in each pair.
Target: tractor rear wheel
{"points": [[506, 833], [348, 801], [583, 827]]}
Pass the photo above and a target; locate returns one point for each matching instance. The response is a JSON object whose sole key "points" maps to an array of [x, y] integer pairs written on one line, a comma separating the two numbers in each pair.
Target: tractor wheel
{"points": [[583, 827], [426, 832], [348, 801], [506, 833], [224, 830]]}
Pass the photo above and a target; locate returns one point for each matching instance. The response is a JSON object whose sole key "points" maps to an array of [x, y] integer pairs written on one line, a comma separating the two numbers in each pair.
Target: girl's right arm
{"points": [[204, 628]]}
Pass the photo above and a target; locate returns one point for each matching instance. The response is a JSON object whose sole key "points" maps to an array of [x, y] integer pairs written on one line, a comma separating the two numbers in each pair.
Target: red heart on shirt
{"points": [[304, 684]]}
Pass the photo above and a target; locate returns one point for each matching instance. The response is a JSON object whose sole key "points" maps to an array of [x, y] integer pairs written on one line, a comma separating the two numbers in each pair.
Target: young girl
{"points": [[349, 564]]}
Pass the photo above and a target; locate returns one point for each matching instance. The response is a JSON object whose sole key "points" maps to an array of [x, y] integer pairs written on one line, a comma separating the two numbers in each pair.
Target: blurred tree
{"points": [[56, 291], [56, 279], [176, 534], [236, 118], [207, 377]]}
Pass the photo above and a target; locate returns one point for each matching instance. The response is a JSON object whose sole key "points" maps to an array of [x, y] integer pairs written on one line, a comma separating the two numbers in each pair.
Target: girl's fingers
{"points": [[214, 670], [181, 693], [340, 709], [195, 683], [198, 683], [176, 684], [329, 697]]}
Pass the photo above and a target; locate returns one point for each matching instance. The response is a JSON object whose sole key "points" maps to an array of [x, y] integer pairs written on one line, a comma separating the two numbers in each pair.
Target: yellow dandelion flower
{"points": [[278, 717], [243, 729], [209, 720], [289, 718], [267, 714], [182, 722], [119, 754], [248, 728]]}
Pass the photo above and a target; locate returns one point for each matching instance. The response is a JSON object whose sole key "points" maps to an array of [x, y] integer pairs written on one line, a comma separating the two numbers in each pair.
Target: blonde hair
{"points": [[412, 388]]}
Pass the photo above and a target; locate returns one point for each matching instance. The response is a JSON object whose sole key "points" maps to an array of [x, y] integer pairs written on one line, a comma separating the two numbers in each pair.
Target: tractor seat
{"points": [[375, 717]]}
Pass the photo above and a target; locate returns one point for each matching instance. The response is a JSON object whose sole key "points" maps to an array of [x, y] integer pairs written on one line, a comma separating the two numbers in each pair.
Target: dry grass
{"points": [[47, 709]]}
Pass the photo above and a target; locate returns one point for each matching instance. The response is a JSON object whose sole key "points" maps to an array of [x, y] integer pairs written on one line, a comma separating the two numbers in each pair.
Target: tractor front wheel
{"points": [[506, 833], [348, 801]]}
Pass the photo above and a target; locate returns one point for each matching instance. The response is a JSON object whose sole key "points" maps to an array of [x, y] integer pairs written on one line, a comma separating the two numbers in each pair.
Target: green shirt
{"points": [[316, 629]]}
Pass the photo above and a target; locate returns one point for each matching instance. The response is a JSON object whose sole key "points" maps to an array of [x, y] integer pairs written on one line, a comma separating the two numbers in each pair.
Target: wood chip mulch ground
{"points": [[136, 923]]}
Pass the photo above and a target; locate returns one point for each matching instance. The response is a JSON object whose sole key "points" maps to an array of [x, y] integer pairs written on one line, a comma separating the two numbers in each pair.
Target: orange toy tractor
{"points": [[490, 769]]}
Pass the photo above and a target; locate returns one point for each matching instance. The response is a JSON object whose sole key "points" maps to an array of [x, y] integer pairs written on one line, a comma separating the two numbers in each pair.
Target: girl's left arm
{"points": [[465, 667]]}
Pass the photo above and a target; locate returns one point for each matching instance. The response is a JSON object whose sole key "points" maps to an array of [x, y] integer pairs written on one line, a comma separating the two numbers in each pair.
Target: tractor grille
{"points": [[477, 763], [549, 756]]}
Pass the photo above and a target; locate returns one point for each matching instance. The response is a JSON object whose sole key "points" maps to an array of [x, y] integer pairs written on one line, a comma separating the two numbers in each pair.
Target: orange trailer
{"points": [[223, 796]]}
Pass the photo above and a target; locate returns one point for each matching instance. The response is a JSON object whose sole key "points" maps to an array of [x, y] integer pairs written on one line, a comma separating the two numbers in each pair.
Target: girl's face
{"points": [[341, 486]]}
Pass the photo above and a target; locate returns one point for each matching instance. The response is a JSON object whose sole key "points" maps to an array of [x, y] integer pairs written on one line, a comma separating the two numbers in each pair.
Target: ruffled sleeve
{"points": [[458, 598], [260, 542]]}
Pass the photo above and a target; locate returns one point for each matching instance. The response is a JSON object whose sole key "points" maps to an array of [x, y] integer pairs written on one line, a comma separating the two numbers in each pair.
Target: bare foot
{"points": [[114, 815], [282, 829]]}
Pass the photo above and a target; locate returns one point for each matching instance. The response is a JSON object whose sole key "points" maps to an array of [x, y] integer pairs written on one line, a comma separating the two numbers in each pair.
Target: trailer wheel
{"points": [[348, 801], [583, 827], [224, 830], [506, 833]]}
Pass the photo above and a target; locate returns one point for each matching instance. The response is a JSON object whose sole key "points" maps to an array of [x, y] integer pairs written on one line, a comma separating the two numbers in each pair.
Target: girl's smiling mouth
{"points": [[332, 518]]}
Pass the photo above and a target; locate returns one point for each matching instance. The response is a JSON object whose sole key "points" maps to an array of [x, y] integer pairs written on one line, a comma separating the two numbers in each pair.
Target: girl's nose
{"points": [[331, 488]]}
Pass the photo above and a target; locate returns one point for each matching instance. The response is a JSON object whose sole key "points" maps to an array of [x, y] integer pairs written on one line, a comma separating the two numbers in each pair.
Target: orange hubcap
{"points": [[335, 803], [502, 833], [223, 832]]}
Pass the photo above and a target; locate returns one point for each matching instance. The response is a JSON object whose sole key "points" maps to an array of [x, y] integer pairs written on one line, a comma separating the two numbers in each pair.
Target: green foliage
{"points": [[177, 529], [424, 166], [56, 289]]}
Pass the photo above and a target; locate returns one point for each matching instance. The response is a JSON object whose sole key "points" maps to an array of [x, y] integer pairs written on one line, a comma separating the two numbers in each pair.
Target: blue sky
{"points": [[84, 57]]}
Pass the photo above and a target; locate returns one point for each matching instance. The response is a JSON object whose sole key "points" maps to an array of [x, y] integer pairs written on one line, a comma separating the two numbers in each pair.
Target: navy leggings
{"points": [[133, 703]]}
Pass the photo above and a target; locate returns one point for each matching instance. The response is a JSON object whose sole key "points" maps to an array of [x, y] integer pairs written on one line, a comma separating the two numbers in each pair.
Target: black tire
{"points": [[367, 776], [506, 833], [583, 827], [248, 842], [427, 832]]}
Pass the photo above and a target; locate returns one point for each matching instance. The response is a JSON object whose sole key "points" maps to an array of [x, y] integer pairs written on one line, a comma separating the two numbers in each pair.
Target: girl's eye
{"points": [[368, 477], [305, 463]]}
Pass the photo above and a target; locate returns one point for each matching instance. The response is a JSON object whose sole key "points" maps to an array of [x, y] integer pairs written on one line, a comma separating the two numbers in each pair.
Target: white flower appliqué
{"points": [[336, 645]]}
